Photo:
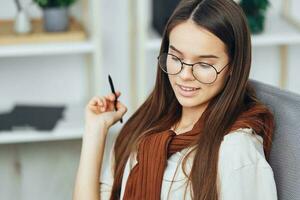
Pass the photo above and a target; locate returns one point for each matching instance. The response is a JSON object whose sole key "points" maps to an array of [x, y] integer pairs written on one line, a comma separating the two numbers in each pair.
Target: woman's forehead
{"points": [[193, 40]]}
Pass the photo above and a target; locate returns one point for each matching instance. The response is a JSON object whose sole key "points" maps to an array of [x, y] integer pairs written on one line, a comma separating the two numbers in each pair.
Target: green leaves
{"points": [[54, 3], [66, 2], [255, 11], [41, 3], [250, 6], [256, 23]]}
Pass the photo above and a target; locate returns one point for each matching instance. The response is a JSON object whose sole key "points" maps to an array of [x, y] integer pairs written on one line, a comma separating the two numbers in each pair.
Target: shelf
{"points": [[8, 36], [46, 49], [39, 136], [278, 31], [39, 42], [70, 127]]}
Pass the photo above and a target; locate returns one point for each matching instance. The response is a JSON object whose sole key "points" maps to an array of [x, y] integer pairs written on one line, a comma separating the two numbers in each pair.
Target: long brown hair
{"points": [[225, 19]]}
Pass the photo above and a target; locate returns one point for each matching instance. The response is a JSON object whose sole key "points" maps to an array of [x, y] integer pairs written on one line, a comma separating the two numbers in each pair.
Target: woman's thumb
{"points": [[121, 109]]}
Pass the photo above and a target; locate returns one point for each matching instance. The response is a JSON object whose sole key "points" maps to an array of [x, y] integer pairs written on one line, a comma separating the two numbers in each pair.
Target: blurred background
{"points": [[56, 55]]}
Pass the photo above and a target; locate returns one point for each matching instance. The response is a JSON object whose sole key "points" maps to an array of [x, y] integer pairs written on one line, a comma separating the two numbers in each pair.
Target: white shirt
{"points": [[243, 172]]}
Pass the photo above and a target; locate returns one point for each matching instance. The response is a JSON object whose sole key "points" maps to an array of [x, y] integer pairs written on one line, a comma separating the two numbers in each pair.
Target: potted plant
{"points": [[255, 11], [55, 14]]}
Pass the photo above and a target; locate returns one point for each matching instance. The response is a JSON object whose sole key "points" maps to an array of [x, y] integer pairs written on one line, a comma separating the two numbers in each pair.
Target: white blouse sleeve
{"points": [[107, 176], [243, 170], [250, 182]]}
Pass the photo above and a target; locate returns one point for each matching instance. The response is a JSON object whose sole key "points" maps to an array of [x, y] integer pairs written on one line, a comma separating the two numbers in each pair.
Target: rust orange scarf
{"points": [[145, 179]]}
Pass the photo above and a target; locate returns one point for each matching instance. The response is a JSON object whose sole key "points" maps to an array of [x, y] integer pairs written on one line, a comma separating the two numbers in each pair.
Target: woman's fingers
{"points": [[97, 104], [112, 96], [97, 99], [103, 103], [93, 102], [121, 107], [111, 100], [121, 110]]}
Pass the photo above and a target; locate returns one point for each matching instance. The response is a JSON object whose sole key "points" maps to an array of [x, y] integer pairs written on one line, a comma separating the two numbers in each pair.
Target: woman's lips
{"points": [[187, 91]]}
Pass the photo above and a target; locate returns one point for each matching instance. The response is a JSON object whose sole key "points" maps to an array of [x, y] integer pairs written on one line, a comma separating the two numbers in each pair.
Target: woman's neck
{"points": [[189, 117]]}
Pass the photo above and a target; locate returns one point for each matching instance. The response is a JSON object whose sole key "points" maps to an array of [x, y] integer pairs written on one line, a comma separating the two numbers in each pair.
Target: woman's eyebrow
{"points": [[173, 48], [208, 56], [201, 56]]}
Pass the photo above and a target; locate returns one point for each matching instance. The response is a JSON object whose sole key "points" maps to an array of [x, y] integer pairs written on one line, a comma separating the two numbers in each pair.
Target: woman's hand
{"points": [[100, 112], [100, 115]]}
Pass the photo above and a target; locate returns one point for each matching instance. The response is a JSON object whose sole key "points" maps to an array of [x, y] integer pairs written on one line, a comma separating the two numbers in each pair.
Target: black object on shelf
{"points": [[161, 11], [37, 117], [5, 122]]}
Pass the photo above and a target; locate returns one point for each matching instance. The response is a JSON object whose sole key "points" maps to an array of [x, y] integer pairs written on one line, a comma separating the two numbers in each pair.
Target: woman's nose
{"points": [[186, 73]]}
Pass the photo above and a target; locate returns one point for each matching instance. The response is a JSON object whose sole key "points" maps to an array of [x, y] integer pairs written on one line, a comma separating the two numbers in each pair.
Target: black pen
{"points": [[113, 91]]}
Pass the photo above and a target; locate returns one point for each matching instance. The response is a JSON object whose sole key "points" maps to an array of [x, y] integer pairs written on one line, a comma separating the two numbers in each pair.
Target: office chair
{"points": [[285, 152]]}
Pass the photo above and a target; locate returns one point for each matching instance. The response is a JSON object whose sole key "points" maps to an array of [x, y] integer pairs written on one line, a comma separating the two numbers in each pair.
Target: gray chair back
{"points": [[285, 153]]}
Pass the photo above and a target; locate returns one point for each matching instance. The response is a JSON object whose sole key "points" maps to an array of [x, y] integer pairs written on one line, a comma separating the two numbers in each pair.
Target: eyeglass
{"points": [[203, 72]]}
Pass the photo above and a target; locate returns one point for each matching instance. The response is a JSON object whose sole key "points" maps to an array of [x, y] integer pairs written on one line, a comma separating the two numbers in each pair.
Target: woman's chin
{"points": [[188, 102]]}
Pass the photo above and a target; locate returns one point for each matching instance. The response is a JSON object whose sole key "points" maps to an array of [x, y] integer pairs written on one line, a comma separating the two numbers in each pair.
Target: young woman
{"points": [[201, 134]]}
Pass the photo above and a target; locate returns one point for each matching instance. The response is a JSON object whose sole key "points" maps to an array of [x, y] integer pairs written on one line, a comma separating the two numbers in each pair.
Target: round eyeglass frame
{"points": [[191, 65]]}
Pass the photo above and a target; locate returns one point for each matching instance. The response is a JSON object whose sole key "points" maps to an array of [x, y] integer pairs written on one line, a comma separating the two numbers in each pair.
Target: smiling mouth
{"points": [[188, 89]]}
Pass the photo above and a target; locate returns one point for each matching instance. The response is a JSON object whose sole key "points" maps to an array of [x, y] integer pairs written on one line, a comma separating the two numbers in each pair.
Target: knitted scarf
{"points": [[145, 178]]}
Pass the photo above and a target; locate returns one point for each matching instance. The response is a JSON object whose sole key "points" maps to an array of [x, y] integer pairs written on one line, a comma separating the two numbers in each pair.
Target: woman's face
{"points": [[192, 43]]}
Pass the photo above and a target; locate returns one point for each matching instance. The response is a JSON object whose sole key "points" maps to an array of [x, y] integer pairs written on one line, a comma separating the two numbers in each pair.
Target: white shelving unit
{"points": [[46, 49], [280, 30], [71, 126]]}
